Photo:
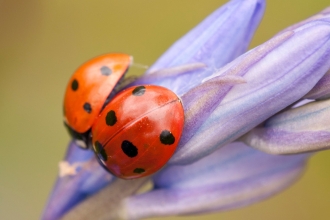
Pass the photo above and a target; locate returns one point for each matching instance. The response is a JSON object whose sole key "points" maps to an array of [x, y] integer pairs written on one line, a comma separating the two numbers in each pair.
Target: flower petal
{"points": [[217, 40], [278, 73], [201, 101], [85, 176], [322, 89], [302, 129], [226, 33], [231, 177]]}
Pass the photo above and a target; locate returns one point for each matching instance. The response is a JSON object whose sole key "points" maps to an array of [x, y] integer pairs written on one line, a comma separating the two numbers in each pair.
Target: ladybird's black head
{"points": [[83, 140], [122, 83]]}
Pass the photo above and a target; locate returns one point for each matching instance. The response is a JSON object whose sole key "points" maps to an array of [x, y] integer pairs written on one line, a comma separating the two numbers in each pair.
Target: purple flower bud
{"points": [[278, 73], [225, 100]]}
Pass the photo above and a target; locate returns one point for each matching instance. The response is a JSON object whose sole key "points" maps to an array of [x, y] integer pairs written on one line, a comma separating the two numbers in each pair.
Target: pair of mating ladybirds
{"points": [[134, 133]]}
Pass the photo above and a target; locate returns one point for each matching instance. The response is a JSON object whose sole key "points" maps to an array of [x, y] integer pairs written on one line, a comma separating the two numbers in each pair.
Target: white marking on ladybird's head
{"points": [[80, 143]]}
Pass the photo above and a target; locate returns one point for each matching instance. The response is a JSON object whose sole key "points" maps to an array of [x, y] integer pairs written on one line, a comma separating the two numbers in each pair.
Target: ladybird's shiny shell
{"points": [[89, 88], [138, 131]]}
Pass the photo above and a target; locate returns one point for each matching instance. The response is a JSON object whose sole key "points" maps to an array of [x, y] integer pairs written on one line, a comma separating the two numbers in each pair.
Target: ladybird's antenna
{"points": [[139, 65]]}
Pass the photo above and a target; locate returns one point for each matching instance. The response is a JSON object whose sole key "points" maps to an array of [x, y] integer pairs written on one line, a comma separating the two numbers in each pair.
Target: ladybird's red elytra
{"points": [[135, 133], [138, 131], [89, 88]]}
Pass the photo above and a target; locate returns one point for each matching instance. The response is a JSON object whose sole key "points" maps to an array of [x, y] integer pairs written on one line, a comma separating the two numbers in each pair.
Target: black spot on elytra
{"points": [[100, 152], [111, 118], [166, 137], [87, 107], [139, 170], [106, 71], [129, 149], [74, 85], [138, 91]]}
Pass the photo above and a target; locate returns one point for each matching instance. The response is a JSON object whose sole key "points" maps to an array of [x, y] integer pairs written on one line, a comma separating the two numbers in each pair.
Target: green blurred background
{"points": [[43, 42]]}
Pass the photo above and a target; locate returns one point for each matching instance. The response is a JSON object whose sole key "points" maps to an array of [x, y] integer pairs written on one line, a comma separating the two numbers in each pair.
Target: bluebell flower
{"points": [[243, 111]]}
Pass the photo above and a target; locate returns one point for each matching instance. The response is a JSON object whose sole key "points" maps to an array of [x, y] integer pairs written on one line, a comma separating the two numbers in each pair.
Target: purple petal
{"points": [[322, 89], [278, 73], [201, 101], [173, 77], [302, 129], [84, 177], [231, 177], [219, 39]]}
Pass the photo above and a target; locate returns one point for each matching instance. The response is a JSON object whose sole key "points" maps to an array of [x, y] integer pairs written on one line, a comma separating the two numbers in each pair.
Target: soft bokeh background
{"points": [[43, 42]]}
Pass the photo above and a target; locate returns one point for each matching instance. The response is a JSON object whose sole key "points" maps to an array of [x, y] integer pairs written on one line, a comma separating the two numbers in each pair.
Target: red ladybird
{"points": [[138, 131], [88, 90]]}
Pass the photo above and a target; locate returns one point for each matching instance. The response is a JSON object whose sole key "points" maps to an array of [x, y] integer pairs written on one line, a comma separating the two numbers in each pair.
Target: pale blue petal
{"points": [[302, 129], [278, 73], [231, 177]]}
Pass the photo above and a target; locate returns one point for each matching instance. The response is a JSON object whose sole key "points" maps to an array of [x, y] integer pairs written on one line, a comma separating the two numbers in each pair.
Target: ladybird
{"points": [[138, 131], [88, 90]]}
